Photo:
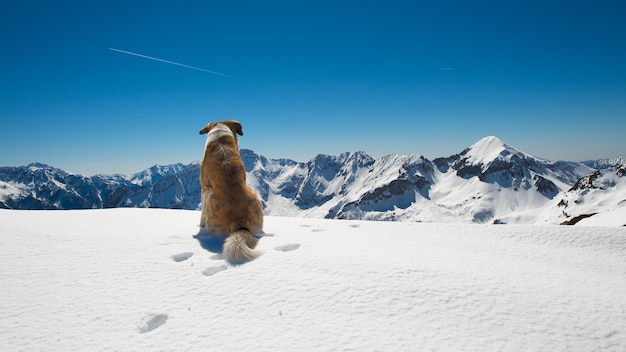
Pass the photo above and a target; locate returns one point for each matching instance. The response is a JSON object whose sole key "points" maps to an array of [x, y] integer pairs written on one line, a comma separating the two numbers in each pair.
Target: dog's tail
{"points": [[239, 246]]}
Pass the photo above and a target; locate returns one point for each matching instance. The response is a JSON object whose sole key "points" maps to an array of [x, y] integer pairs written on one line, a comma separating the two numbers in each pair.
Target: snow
{"points": [[616, 217], [486, 150], [490, 148], [138, 280], [11, 189], [605, 194]]}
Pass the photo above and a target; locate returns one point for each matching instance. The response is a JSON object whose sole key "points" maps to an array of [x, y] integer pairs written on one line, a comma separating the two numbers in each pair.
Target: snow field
{"points": [[137, 279]]}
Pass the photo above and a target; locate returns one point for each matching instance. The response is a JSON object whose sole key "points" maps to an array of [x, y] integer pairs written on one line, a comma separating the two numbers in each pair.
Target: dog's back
{"points": [[229, 207], [233, 204]]}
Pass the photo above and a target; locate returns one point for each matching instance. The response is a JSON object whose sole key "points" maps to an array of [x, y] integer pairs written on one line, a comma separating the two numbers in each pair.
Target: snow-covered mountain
{"points": [[601, 192], [489, 182], [606, 163], [155, 173], [39, 186]]}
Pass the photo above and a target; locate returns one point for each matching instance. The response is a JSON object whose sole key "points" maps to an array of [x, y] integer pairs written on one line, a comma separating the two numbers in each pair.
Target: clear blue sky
{"points": [[308, 77]]}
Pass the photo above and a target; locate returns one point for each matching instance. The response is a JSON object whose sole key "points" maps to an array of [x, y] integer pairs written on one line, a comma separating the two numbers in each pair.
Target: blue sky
{"points": [[308, 77]]}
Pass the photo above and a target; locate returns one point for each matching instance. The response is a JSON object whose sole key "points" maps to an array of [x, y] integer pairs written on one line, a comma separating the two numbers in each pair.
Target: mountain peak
{"points": [[490, 140], [488, 149], [38, 165], [155, 173]]}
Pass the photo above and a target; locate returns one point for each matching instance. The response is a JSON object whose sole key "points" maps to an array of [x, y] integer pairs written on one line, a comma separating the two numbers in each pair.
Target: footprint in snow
{"points": [[214, 270], [288, 247], [181, 256], [317, 229], [217, 256], [151, 322]]}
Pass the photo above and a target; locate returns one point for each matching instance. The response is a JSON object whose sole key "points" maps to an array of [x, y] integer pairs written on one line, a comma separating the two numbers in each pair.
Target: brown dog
{"points": [[229, 207]]}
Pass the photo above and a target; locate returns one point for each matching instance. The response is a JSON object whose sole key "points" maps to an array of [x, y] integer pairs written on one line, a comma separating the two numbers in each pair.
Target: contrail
{"points": [[170, 62]]}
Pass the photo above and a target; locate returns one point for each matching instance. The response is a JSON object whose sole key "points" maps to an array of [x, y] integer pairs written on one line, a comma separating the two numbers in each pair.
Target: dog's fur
{"points": [[229, 207]]}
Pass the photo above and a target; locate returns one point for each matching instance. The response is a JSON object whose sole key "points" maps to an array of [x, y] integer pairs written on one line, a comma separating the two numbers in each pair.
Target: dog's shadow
{"points": [[209, 241], [215, 244]]}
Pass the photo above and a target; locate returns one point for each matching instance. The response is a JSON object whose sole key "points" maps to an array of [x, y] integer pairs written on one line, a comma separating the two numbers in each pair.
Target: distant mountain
{"points": [[606, 163], [489, 182], [602, 191], [39, 186], [155, 173]]}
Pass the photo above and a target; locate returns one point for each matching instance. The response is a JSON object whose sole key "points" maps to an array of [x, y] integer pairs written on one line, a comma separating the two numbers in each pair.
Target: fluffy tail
{"points": [[239, 246]]}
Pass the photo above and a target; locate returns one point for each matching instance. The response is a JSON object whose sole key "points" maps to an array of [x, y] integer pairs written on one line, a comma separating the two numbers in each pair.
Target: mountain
{"points": [[179, 190], [601, 192], [155, 173], [489, 182], [42, 187], [606, 163], [493, 182], [39, 186]]}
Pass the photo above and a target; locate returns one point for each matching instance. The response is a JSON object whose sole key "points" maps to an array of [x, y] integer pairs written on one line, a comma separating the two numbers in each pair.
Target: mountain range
{"points": [[489, 182]]}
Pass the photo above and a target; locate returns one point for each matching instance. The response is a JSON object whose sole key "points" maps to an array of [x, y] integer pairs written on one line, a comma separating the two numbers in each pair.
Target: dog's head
{"points": [[233, 125]]}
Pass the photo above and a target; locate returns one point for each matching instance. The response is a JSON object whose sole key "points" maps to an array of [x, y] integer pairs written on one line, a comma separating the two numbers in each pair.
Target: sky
{"points": [[116, 87]]}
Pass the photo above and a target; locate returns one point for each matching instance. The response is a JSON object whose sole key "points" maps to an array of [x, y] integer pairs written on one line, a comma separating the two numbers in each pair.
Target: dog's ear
{"points": [[239, 130], [234, 126], [207, 128]]}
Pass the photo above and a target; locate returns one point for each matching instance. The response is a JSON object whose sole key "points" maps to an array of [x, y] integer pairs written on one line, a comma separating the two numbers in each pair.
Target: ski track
{"points": [[137, 279]]}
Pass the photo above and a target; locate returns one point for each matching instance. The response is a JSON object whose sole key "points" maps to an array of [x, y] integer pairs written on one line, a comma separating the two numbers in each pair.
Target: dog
{"points": [[229, 208]]}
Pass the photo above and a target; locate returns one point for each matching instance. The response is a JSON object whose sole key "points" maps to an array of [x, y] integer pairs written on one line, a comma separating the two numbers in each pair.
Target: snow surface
{"points": [[138, 280], [616, 217]]}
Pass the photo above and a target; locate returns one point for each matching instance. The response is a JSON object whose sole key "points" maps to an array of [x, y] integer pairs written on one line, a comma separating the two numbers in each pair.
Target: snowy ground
{"points": [[614, 217], [138, 280]]}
